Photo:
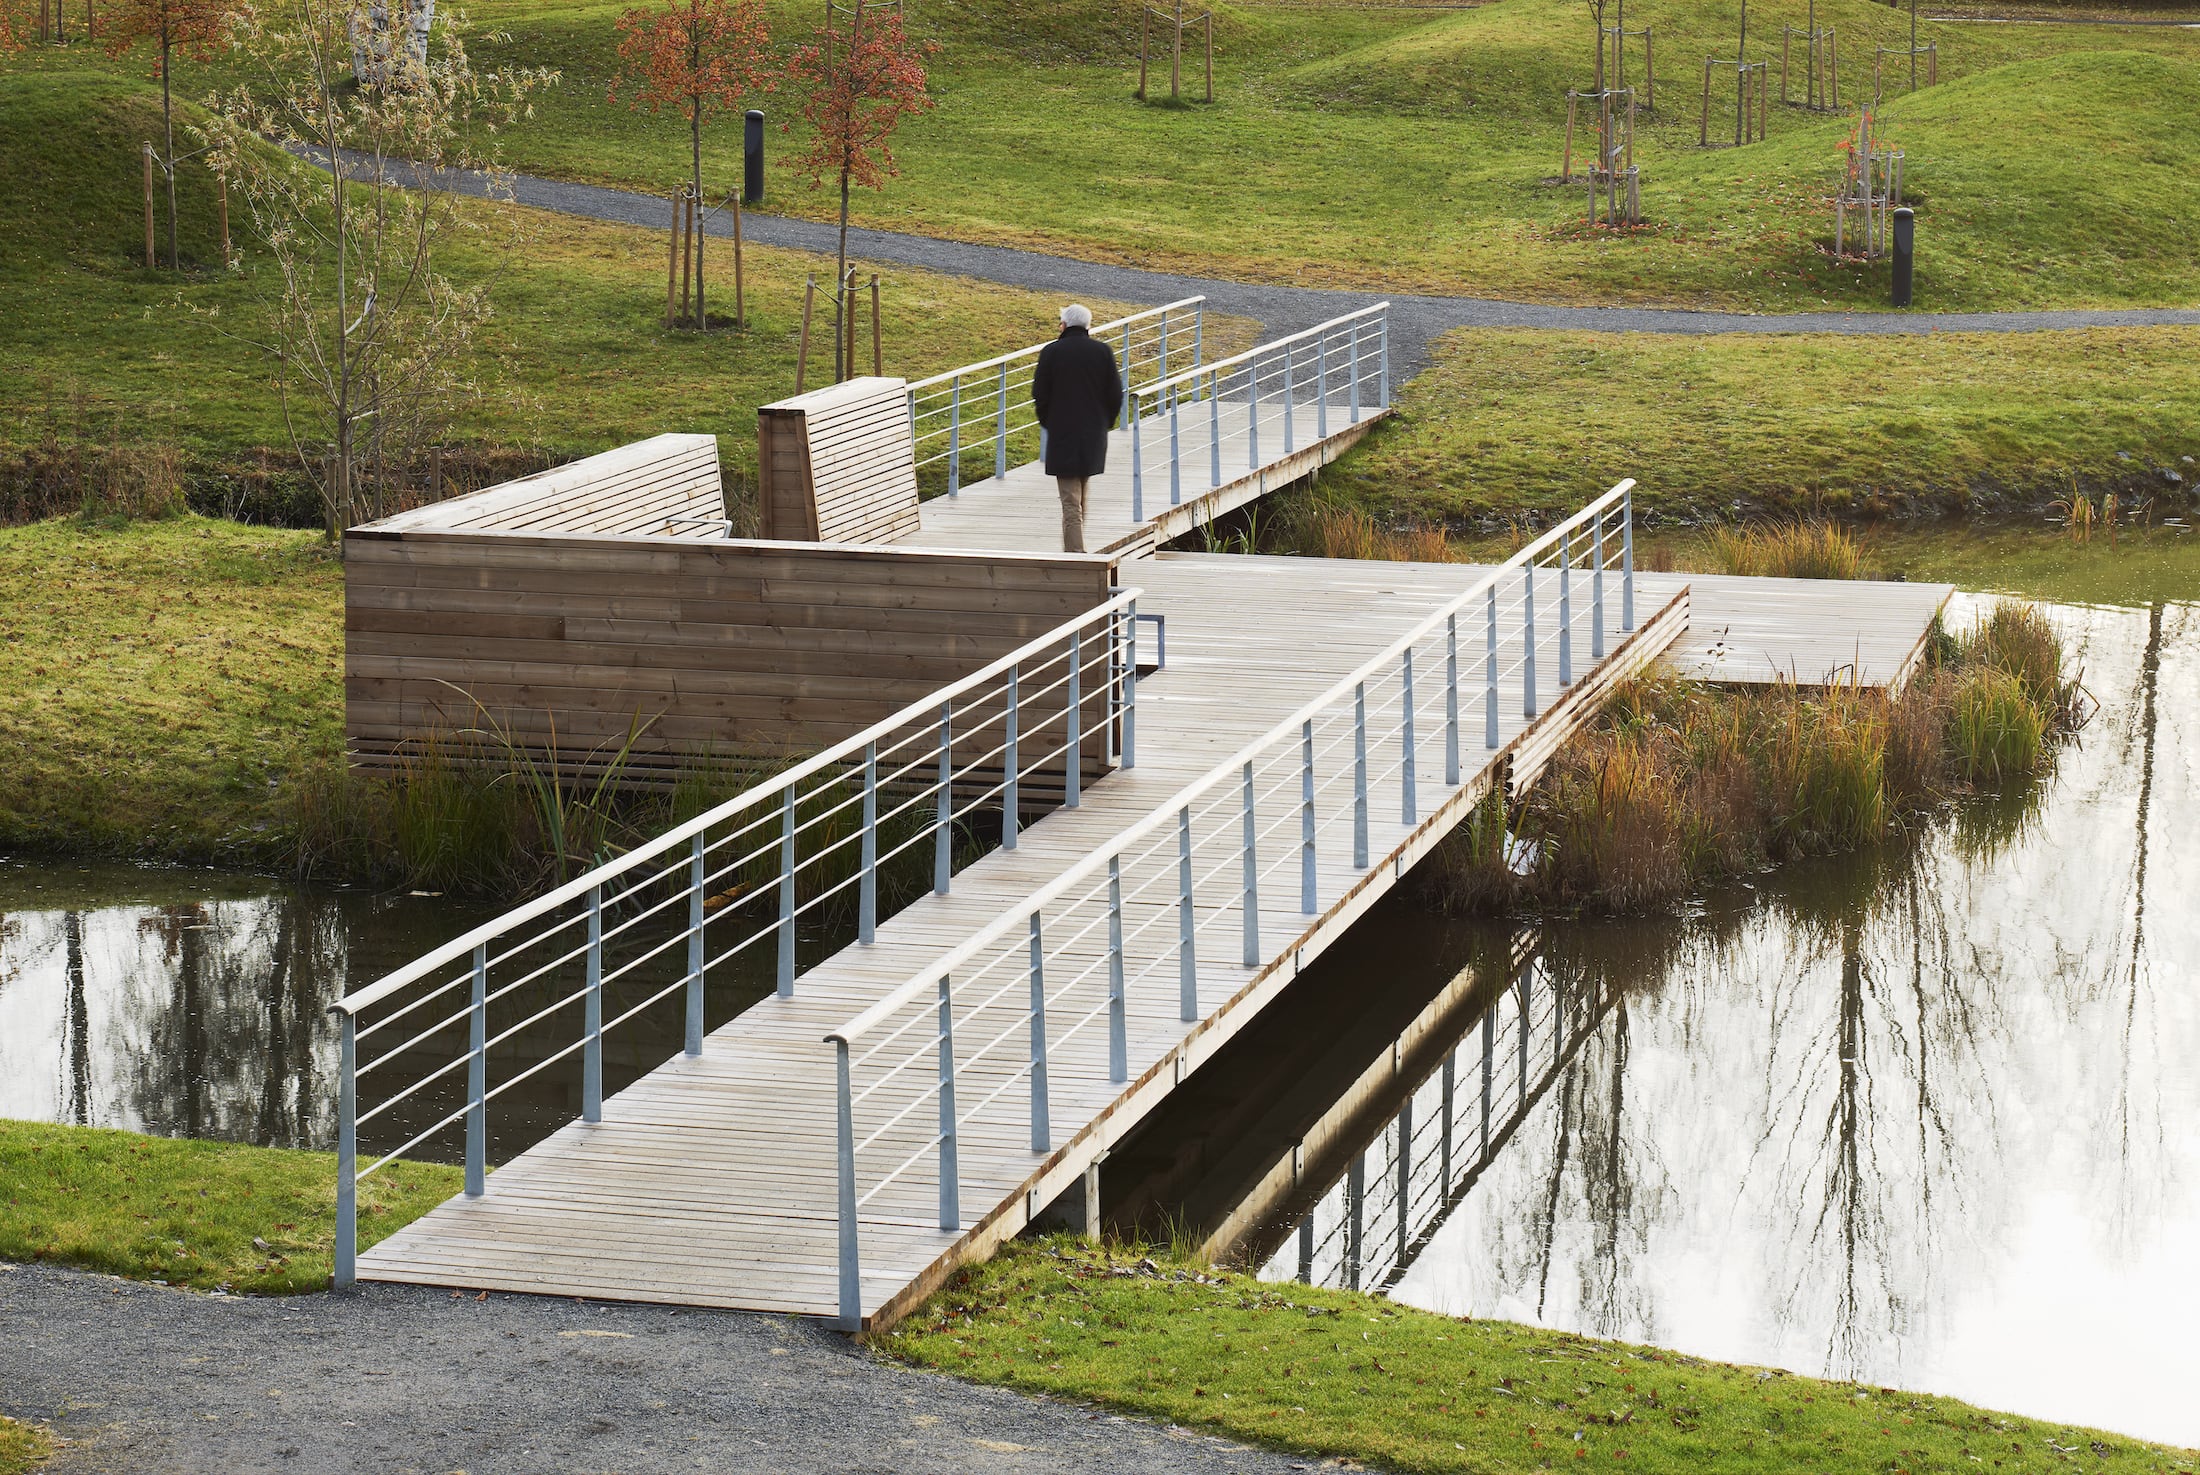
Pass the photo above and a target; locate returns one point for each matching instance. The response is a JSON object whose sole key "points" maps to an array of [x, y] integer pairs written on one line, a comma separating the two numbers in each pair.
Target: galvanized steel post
{"points": [[1010, 761], [1627, 559], [944, 821], [1252, 877], [695, 946], [347, 1151], [1073, 759], [1566, 608], [1352, 360], [1041, 1132], [1306, 818], [1138, 469], [1527, 655], [954, 435], [477, 1071], [1596, 590], [1451, 700], [1176, 456], [1359, 776], [950, 1167], [1489, 677], [851, 1277], [1214, 430], [1290, 390], [1130, 685], [786, 893], [1187, 946], [1118, 1026], [1408, 801], [1321, 386], [1252, 415], [867, 887], [1382, 382], [1000, 429], [592, 1014]]}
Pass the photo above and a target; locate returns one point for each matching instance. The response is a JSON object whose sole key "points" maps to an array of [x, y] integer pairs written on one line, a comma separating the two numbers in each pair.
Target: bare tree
{"points": [[371, 341]]}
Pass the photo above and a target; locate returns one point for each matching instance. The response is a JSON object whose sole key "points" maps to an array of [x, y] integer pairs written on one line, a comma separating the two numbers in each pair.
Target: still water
{"points": [[1928, 1117]]}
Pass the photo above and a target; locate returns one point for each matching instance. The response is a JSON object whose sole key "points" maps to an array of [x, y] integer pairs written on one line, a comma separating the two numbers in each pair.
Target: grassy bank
{"points": [[101, 352], [1352, 1376], [23, 1447], [1734, 424], [208, 1215]]}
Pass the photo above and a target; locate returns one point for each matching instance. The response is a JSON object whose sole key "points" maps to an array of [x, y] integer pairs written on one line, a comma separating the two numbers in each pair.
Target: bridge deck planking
{"points": [[700, 1187]]}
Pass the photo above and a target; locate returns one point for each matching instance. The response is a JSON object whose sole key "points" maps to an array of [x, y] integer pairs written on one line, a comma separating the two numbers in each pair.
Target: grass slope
{"points": [[575, 361], [164, 682], [1336, 1373], [1724, 423], [209, 1215]]}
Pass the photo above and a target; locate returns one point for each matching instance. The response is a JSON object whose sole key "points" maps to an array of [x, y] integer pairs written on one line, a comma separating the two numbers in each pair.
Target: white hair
{"points": [[1076, 315]]}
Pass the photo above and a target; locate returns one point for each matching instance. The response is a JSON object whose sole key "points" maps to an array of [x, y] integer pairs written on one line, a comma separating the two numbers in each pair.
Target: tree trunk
{"points": [[695, 132], [168, 128], [840, 283]]}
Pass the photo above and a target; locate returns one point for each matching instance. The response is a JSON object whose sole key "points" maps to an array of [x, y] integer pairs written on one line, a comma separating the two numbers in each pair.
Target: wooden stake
{"points": [[1210, 56], [148, 207], [802, 353], [878, 352], [221, 201], [740, 289], [687, 247], [672, 263], [1145, 20], [702, 313], [1649, 74], [1176, 56], [848, 319], [1566, 166], [435, 474], [1703, 124]]}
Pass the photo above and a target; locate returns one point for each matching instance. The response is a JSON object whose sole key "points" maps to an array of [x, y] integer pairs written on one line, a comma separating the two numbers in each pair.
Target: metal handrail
{"points": [[1222, 366], [1096, 330], [1286, 730], [580, 886]]}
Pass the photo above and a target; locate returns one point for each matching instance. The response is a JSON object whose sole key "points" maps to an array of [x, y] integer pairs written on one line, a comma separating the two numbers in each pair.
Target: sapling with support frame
{"points": [[1821, 65], [1176, 22]]}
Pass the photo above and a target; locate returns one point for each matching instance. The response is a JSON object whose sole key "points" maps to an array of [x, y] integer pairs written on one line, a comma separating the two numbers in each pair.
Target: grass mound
{"points": [[209, 1215], [1327, 1372], [73, 174]]}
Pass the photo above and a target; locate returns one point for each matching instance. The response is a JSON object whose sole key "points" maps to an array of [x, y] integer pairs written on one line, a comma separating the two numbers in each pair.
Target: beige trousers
{"points": [[1072, 489]]}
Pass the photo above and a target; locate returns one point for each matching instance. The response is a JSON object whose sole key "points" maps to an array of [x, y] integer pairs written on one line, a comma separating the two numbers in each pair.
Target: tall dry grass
{"points": [[1678, 783], [1791, 549]]}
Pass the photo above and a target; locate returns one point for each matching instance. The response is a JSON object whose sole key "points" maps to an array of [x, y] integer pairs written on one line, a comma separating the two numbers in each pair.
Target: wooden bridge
{"points": [[1112, 844]]}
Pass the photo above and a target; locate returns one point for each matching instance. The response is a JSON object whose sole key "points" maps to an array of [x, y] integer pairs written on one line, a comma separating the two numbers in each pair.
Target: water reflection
{"points": [[1926, 1117]]}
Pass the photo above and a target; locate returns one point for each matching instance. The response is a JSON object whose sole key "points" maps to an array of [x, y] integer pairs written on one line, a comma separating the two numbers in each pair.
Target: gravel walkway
{"points": [[1414, 320], [140, 1378]]}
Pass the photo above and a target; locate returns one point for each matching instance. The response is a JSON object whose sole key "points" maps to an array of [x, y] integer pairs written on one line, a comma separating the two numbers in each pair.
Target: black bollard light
{"points": [[752, 158], [1905, 253]]}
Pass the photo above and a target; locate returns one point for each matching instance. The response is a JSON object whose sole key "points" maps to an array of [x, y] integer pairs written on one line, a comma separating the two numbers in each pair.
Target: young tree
{"points": [[189, 26], [702, 57], [858, 83], [370, 341]]}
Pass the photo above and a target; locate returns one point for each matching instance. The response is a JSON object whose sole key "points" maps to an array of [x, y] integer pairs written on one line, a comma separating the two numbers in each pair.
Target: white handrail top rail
{"points": [[1221, 365], [1096, 330], [579, 886], [869, 1019]]}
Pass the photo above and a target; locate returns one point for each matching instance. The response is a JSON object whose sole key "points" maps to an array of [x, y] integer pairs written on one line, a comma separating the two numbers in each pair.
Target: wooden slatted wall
{"points": [[839, 465], [638, 489], [721, 647]]}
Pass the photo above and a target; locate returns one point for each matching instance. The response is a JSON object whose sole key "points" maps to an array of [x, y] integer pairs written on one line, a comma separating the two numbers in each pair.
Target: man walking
{"points": [[1078, 395]]}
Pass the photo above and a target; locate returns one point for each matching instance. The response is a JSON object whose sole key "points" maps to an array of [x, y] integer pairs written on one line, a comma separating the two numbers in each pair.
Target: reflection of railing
{"points": [[1127, 918], [987, 406], [1372, 1223], [1205, 427], [754, 872]]}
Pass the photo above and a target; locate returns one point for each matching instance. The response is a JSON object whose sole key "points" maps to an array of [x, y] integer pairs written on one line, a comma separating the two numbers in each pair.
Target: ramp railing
{"points": [[1217, 423], [739, 899], [973, 1045], [986, 407]]}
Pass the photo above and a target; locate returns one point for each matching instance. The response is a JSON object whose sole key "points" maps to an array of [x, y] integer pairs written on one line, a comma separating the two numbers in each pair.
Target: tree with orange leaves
{"points": [[189, 26], [703, 57], [859, 82]]}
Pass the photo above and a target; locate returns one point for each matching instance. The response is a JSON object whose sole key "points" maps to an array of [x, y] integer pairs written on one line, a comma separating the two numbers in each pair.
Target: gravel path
{"points": [[1414, 320], [142, 1378]]}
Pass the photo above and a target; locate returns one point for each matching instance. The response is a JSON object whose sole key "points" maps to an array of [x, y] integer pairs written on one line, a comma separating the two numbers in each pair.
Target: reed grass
{"points": [[1678, 783], [1791, 548]]}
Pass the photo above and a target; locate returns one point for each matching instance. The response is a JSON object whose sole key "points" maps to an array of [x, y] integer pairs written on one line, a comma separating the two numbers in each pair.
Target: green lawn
{"points": [[575, 360], [1356, 1377], [209, 1215], [1417, 150], [23, 1447], [1742, 423]]}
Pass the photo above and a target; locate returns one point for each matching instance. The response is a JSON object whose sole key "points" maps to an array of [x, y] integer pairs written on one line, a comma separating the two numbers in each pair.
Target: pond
{"points": [[1924, 1117]]}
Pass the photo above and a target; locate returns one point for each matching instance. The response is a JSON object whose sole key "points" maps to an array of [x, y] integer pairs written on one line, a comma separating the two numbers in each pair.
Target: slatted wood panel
{"points": [[1808, 632], [710, 1181], [666, 486], [838, 465], [718, 646]]}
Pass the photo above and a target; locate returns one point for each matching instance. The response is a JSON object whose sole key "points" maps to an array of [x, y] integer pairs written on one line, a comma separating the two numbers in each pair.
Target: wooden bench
{"points": [[664, 487], [838, 465]]}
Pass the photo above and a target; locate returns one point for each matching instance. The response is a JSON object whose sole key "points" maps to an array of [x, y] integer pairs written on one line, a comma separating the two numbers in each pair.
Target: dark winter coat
{"points": [[1078, 395]]}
